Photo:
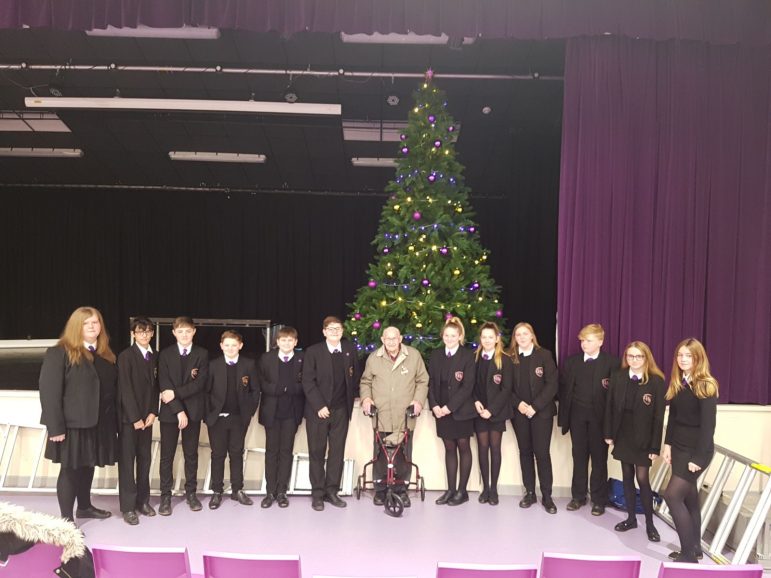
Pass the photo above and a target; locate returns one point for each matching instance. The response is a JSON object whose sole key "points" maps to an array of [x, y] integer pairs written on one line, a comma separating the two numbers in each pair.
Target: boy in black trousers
{"points": [[183, 369], [281, 411], [233, 393], [138, 408]]}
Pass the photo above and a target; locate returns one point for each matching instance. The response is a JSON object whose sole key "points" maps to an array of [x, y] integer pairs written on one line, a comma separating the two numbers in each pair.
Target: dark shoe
{"points": [[549, 505], [405, 500], [484, 496], [528, 500], [165, 508], [379, 499], [444, 498], [215, 501], [131, 518], [684, 558], [625, 525], [574, 505], [241, 497], [317, 504], [653, 534], [335, 500], [458, 498], [698, 555], [146, 510], [283, 501], [493, 499], [267, 501], [92, 512], [193, 502], [598, 509]]}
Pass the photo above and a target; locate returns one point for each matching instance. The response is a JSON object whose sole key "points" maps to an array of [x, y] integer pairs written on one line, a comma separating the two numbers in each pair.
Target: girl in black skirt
{"points": [[78, 383], [634, 419], [451, 373], [492, 400], [689, 443]]}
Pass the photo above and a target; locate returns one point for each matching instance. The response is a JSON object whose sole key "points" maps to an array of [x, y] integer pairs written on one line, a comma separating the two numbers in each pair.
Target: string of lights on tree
{"points": [[429, 263]]}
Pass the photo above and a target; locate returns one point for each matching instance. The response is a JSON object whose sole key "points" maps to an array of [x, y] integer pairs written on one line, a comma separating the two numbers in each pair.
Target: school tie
{"points": [[231, 362], [449, 355], [148, 356], [685, 383], [485, 357], [286, 358], [92, 349], [589, 360], [184, 352], [635, 379], [335, 351]]}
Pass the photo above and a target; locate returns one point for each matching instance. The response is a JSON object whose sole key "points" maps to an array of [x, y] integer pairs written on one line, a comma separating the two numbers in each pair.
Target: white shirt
{"points": [[528, 352], [489, 354], [282, 355], [452, 351], [87, 345], [188, 348], [632, 374], [231, 361], [338, 347], [145, 351], [587, 357]]}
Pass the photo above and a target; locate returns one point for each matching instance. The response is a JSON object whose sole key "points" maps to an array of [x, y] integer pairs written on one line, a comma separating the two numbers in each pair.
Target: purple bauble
{"points": [[416, 215], [431, 177], [475, 285], [425, 282], [448, 316], [499, 313], [451, 128], [372, 284], [386, 250], [403, 136], [437, 143], [431, 118], [444, 250], [472, 229], [376, 325], [357, 316], [405, 150], [452, 180]]}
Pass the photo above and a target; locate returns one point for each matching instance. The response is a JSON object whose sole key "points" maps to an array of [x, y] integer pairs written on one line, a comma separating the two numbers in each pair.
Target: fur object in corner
{"points": [[38, 527]]}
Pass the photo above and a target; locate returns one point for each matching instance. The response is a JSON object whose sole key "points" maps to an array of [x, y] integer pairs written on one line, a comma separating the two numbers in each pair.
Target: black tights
{"points": [[453, 448], [74, 483], [646, 495], [682, 498], [489, 441]]}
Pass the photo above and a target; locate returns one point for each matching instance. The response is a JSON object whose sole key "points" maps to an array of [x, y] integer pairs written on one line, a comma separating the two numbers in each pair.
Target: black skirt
{"points": [[484, 425], [449, 428], [684, 442], [85, 447], [624, 448]]}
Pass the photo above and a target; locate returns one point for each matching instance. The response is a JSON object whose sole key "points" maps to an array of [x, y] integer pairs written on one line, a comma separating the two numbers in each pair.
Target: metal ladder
{"points": [[750, 470]]}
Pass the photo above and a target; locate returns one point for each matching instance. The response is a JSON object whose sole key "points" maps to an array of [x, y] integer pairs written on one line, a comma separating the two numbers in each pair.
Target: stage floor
{"points": [[361, 540]]}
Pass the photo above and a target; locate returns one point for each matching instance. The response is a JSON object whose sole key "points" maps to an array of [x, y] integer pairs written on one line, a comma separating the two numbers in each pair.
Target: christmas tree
{"points": [[430, 264]]}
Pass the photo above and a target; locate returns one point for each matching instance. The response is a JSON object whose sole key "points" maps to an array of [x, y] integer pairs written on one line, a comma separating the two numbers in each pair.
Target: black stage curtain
{"points": [[289, 257]]}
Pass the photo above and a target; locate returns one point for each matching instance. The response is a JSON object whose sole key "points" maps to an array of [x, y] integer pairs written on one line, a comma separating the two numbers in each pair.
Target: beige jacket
{"points": [[393, 386]]}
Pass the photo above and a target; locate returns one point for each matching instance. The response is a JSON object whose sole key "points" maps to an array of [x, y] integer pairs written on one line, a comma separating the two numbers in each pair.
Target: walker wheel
{"points": [[357, 490], [393, 504], [422, 490]]}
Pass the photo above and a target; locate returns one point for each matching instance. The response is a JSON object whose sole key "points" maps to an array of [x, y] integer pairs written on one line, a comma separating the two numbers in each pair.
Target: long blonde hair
{"points": [[650, 367], [513, 350], [498, 355], [703, 383], [457, 324], [71, 339]]}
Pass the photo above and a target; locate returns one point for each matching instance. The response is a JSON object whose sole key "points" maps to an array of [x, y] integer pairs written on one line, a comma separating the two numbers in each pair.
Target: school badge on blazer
{"points": [[245, 381], [605, 382], [539, 371], [647, 399], [459, 376], [194, 373], [497, 379]]}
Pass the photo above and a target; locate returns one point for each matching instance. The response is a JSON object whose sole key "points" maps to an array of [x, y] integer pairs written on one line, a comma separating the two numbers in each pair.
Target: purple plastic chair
{"points": [[675, 570], [226, 565], [577, 566], [447, 570], [127, 562], [40, 561]]}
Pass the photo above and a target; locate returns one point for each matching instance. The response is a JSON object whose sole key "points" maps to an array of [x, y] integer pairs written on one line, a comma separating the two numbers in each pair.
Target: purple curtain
{"points": [[664, 202], [716, 21]]}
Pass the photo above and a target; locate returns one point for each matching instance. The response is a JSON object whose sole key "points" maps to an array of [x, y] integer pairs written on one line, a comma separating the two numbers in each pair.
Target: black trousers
{"points": [[403, 470], [279, 443], [322, 432], [169, 436], [226, 438], [534, 439], [588, 442], [134, 466]]}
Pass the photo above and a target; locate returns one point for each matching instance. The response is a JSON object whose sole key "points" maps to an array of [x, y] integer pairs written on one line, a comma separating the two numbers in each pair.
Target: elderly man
{"points": [[394, 378]]}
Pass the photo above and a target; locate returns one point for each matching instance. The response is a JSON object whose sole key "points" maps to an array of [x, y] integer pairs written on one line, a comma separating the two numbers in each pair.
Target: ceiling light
{"points": [[393, 38], [373, 162], [392, 100], [40, 152], [212, 157], [24, 121], [487, 110], [183, 33], [184, 105], [290, 95]]}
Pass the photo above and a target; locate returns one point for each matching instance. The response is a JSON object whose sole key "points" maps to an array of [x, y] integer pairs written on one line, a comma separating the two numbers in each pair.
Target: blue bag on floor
{"points": [[617, 500]]}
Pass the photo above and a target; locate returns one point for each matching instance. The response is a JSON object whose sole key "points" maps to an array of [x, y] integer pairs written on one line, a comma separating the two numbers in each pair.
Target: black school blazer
{"points": [[461, 387], [268, 370], [542, 381], [647, 412], [499, 383]]}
